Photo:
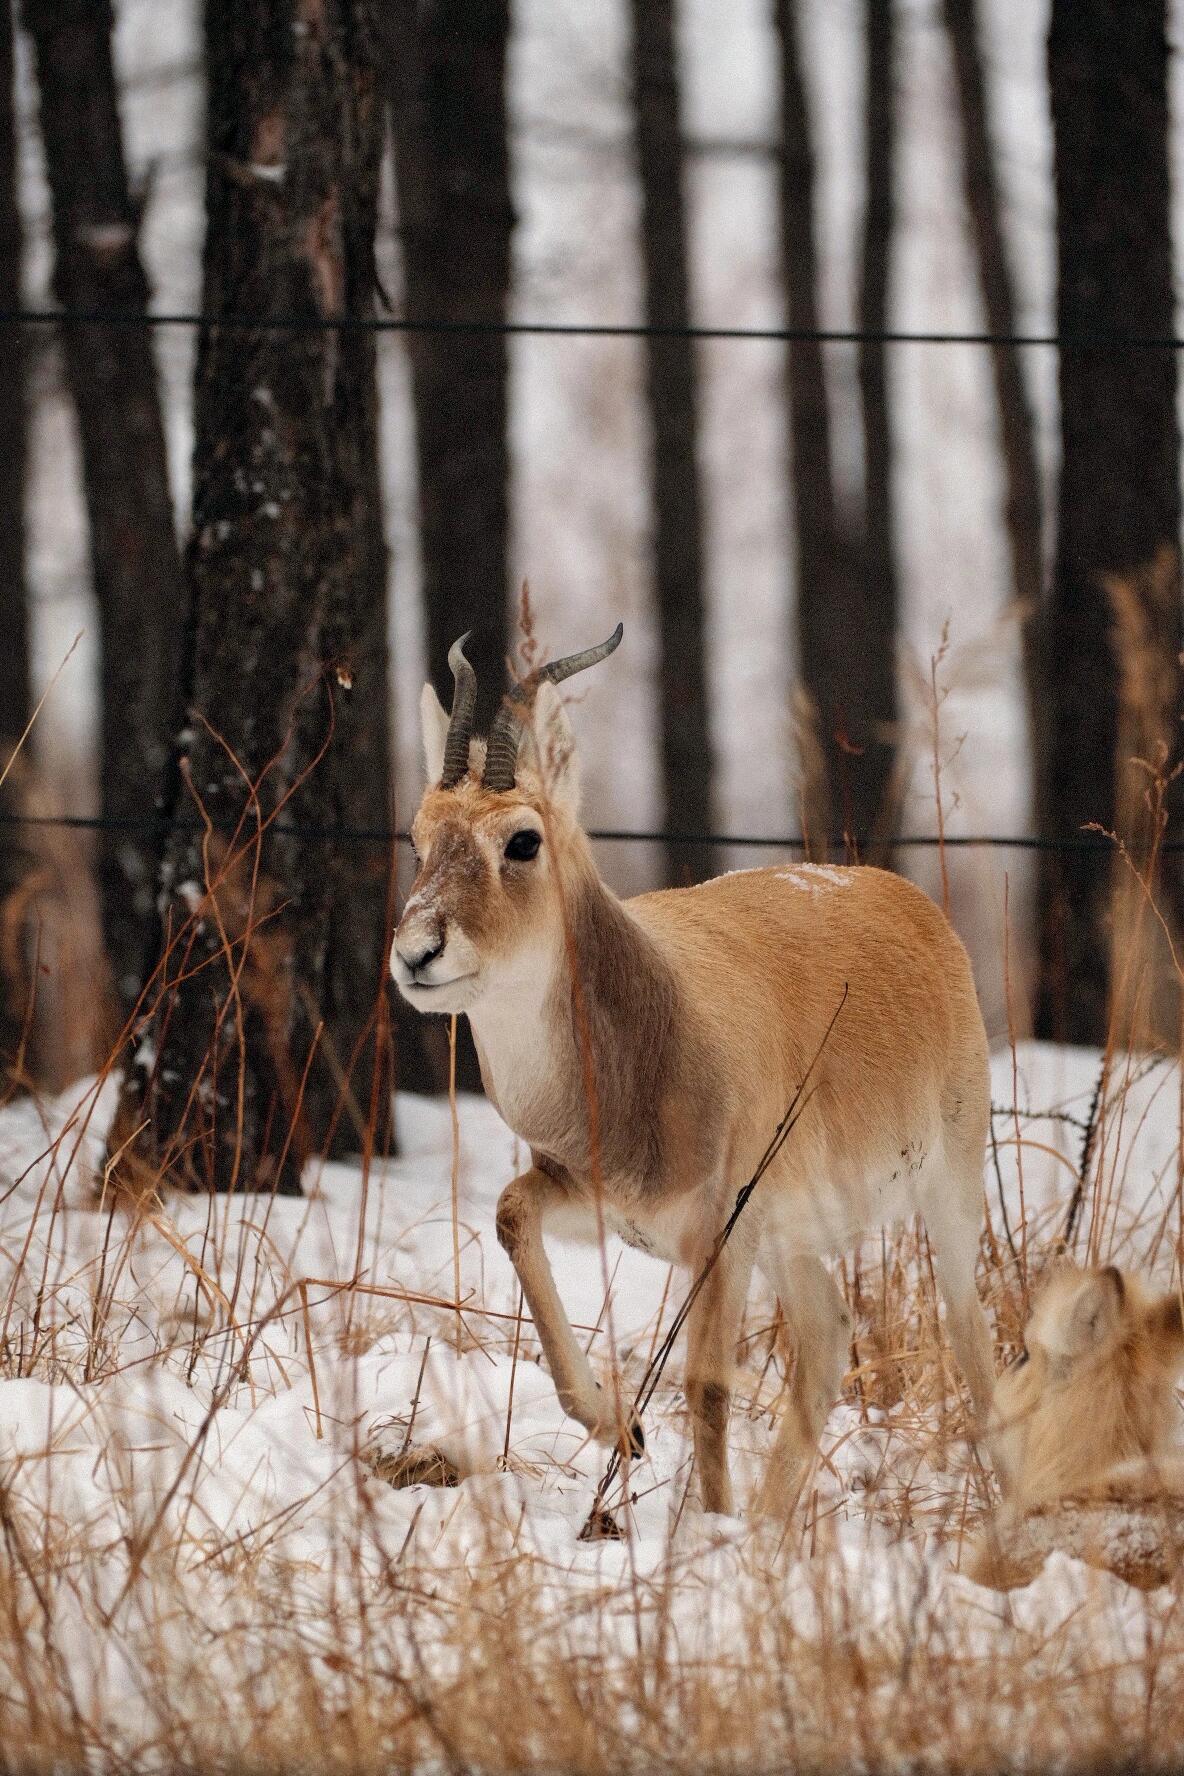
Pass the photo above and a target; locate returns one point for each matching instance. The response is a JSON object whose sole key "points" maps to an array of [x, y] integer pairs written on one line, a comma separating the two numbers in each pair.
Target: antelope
{"points": [[646, 1049], [1086, 1427]]}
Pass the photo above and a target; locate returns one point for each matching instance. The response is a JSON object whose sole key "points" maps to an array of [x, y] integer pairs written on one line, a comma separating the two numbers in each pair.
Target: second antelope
{"points": [[1087, 1429], [646, 1050]]}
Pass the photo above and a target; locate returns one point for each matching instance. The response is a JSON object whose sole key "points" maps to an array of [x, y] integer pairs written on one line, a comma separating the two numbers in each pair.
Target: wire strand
{"points": [[258, 324], [612, 835]]}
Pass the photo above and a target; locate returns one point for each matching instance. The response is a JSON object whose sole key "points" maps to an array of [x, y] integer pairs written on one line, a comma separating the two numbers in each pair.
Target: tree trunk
{"points": [[671, 390], [273, 953], [1017, 431], [828, 604], [446, 77], [112, 376], [1118, 516], [356, 992], [14, 681], [446, 64], [871, 672]]}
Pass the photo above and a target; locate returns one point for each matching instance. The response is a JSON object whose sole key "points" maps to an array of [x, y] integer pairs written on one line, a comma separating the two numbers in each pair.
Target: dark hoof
{"points": [[601, 1526]]}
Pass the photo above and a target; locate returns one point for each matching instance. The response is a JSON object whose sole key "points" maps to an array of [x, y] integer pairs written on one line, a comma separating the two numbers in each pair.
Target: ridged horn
{"points": [[510, 722], [464, 708]]}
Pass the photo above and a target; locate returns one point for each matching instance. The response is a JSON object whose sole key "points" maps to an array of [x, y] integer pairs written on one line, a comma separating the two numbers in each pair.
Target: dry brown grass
{"points": [[766, 1650]]}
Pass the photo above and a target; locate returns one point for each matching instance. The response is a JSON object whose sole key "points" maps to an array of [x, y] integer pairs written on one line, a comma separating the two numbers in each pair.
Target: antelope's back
{"points": [[766, 958]]}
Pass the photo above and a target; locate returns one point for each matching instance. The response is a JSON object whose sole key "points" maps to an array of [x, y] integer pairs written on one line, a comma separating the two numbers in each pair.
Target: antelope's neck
{"points": [[515, 1043], [581, 1056]]}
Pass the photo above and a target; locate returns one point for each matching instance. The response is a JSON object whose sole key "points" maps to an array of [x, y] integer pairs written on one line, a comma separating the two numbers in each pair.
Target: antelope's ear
{"points": [[1096, 1311], [554, 748], [1166, 1322], [434, 720]]}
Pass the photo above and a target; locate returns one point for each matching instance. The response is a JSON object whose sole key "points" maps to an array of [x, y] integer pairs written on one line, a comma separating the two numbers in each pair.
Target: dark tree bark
{"points": [[673, 410], [274, 955], [112, 376], [1017, 431], [15, 862], [356, 995], [1118, 513], [831, 620], [446, 80], [14, 681], [446, 62], [871, 666]]}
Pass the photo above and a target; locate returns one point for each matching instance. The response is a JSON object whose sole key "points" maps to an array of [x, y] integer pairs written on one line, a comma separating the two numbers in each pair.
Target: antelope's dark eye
{"points": [[522, 846]]}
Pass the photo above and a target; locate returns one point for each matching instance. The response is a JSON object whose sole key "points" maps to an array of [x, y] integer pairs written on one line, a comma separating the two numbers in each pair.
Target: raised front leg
{"points": [[713, 1329], [520, 1213]]}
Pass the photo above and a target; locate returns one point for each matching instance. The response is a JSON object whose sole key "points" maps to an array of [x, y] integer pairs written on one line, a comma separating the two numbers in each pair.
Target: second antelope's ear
{"points": [[1166, 1321], [1096, 1311], [434, 720], [554, 747]]}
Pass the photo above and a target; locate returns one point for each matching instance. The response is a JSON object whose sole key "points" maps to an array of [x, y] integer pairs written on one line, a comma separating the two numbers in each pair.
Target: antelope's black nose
{"points": [[415, 963]]}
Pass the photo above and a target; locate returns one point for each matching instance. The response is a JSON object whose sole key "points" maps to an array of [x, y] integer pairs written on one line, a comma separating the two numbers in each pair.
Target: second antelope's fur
{"points": [[646, 1050], [1086, 1426]]}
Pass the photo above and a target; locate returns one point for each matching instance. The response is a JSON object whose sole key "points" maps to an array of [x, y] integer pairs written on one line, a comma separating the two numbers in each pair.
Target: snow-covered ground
{"points": [[199, 1558]]}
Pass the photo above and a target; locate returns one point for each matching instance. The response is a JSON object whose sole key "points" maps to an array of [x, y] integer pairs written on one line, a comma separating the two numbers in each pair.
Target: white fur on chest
{"points": [[515, 1041]]}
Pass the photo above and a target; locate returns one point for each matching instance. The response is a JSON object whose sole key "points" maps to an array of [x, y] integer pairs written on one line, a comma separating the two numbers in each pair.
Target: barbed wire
{"points": [[344, 323], [374, 835]]}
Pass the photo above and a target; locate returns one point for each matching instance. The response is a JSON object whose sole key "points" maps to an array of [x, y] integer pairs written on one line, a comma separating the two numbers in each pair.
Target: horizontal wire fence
{"points": [[344, 323], [1101, 843], [396, 324]]}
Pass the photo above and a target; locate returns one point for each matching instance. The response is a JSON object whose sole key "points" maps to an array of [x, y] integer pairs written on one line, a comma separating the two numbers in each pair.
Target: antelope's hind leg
{"points": [[953, 1220], [820, 1326], [713, 1330], [951, 1202]]}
